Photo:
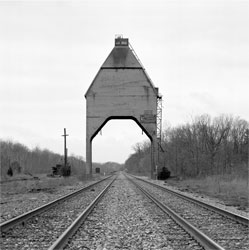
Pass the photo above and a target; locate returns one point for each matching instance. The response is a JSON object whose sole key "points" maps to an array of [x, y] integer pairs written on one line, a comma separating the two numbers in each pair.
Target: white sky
{"points": [[196, 52]]}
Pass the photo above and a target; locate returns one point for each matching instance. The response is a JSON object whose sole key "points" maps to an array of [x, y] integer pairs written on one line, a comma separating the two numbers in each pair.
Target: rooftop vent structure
{"points": [[120, 41]]}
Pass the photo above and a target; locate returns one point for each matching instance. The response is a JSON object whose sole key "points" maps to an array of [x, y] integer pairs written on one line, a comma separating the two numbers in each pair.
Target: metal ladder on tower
{"points": [[159, 106]]}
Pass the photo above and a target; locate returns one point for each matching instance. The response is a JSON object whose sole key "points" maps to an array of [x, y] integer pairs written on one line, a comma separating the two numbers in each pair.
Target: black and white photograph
{"points": [[124, 124]]}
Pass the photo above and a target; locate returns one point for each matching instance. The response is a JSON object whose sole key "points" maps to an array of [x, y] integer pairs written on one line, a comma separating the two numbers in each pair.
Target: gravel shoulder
{"points": [[20, 196]]}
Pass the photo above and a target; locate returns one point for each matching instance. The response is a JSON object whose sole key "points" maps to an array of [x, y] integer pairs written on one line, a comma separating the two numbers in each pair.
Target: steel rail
{"points": [[62, 241], [238, 218], [5, 226], [203, 239]]}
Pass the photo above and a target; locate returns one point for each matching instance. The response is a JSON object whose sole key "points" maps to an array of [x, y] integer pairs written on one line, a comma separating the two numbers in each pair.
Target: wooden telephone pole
{"points": [[65, 147]]}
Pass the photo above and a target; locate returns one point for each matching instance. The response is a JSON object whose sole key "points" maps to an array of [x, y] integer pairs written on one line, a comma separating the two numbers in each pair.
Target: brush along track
{"points": [[126, 219], [41, 227], [228, 230]]}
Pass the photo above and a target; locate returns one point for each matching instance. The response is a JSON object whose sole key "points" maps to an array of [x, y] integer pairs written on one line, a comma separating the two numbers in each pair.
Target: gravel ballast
{"points": [[125, 219]]}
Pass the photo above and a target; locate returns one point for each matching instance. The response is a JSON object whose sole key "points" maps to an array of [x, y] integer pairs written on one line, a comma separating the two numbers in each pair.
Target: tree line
{"points": [[205, 146], [20, 159], [16, 158]]}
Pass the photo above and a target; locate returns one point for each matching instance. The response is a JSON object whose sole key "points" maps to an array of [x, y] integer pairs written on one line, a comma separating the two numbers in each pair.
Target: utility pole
{"points": [[65, 147]]}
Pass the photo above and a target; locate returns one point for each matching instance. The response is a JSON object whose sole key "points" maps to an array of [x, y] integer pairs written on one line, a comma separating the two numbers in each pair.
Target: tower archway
{"points": [[117, 141]]}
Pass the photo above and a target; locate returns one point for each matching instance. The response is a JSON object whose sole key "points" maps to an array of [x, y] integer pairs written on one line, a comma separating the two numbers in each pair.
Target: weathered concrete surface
{"points": [[121, 90]]}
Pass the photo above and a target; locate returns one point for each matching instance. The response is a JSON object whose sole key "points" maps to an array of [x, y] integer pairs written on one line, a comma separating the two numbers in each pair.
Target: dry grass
{"points": [[232, 190], [44, 183], [228, 185], [25, 183]]}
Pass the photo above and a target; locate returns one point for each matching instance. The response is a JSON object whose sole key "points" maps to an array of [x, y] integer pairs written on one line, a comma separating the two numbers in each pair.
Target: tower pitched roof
{"points": [[122, 57]]}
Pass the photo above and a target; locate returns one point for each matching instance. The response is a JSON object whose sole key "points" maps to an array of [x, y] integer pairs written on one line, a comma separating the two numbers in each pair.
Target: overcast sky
{"points": [[196, 52]]}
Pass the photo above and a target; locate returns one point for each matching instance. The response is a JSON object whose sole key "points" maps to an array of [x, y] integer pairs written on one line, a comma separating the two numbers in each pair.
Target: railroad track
{"points": [[126, 214], [37, 229], [125, 219], [229, 230]]}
